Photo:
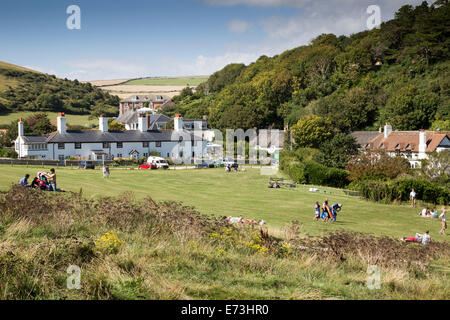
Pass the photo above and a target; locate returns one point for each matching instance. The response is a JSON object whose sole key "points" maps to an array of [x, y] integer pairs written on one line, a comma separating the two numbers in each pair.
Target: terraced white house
{"points": [[102, 144]]}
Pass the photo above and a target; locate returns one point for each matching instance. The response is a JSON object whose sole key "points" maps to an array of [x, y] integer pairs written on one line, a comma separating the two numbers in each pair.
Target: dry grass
{"points": [[171, 251]]}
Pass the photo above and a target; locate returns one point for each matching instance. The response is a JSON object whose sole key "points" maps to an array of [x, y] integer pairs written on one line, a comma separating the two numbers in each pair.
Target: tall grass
{"points": [[165, 250]]}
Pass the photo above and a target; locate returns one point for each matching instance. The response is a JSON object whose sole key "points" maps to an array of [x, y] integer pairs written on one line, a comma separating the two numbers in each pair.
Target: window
{"points": [[119, 145], [145, 144], [158, 144], [194, 143], [77, 145], [119, 155], [99, 157], [61, 146], [168, 155], [105, 145], [145, 155]]}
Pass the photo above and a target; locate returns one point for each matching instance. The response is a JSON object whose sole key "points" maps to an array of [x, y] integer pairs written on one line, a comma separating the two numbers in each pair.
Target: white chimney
{"points": [[103, 124], [387, 130], [422, 141], [142, 123], [61, 123], [21, 131], [178, 123]]}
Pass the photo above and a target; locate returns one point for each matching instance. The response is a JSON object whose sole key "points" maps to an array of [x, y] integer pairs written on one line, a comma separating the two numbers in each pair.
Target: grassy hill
{"points": [[398, 73], [131, 247], [168, 81], [242, 194], [22, 89]]}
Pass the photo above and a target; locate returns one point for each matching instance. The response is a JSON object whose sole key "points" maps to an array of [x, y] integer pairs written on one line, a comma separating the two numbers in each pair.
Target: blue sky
{"points": [[125, 39]]}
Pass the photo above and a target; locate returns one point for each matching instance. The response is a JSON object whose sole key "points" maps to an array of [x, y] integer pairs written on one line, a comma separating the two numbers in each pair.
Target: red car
{"points": [[148, 166]]}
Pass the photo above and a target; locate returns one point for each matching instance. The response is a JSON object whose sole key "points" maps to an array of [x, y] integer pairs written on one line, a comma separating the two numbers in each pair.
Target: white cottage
{"points": [[102, 144]]}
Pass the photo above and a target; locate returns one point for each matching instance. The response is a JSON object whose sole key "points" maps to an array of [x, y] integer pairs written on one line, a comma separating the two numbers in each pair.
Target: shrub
{"points": [[400, 189]]}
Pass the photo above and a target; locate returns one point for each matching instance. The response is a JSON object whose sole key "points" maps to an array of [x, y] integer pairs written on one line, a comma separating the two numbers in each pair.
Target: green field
{"points": [[245, 194], [81, 120], [128, 247], [181, 81]]}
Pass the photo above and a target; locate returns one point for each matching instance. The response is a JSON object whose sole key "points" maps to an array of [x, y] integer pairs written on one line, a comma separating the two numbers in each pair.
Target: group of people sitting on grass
{"points": [[427, 213], [329, 213], [274, 185], [44, 181]]}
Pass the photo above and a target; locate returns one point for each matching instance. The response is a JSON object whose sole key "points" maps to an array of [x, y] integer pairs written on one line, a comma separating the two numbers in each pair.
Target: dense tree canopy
{"points": [[398, 73]]}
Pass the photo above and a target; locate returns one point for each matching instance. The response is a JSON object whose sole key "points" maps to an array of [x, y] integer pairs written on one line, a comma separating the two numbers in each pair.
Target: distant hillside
{"points": [[22, 89], [398, 73], [169, 81]]}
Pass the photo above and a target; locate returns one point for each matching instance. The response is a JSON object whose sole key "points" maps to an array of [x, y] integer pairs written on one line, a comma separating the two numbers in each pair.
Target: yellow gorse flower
{"points": [[109, 242]]}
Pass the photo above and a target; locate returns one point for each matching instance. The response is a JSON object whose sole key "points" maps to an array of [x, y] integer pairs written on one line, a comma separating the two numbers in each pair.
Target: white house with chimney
{"points": [[102, 144], [413, 145]]}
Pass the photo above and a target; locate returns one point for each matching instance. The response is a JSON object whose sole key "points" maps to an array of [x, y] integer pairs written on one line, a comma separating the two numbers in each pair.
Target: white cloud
{"points": [[41, 69], [238, 26], [202, 65], [105, 69]]}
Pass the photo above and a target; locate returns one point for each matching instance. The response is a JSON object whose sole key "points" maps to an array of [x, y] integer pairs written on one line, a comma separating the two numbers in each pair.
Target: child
{"points": [[317, 211]]}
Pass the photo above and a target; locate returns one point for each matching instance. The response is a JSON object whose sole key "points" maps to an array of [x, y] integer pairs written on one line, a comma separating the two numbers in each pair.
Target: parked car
{"points": [[205, 165], [160, 163], [86, 165], [148, 166]]}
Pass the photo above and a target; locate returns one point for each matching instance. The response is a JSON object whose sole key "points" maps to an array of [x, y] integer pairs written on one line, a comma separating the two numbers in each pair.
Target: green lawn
{"points": [[181, 81], [81, 120], [212, 191]]}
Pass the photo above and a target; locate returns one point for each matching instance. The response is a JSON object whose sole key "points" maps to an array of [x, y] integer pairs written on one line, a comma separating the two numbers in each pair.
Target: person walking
{"points": [[443, 218], [412, 196]]}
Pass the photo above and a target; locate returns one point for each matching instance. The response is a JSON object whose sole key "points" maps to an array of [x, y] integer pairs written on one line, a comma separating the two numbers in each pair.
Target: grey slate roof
{"points": [[114, 136], [128, 117], [36, 139], [364, 137]]}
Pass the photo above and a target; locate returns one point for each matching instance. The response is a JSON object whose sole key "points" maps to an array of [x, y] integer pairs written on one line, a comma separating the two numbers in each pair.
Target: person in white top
{"points": [[443, 219], [426, 239], [412, 196]]}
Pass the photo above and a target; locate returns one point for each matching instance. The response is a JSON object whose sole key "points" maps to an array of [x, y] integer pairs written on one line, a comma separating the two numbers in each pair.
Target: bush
{"points": [[6, 153], [399, 190], [311, 172]]}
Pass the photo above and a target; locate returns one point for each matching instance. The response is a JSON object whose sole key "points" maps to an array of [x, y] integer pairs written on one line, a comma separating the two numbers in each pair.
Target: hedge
{"points": [[311, 172], [400, 189]]}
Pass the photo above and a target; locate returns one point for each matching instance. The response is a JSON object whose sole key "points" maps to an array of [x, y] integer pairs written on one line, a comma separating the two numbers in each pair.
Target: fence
{"points": [[330, 190], [22, 162]]}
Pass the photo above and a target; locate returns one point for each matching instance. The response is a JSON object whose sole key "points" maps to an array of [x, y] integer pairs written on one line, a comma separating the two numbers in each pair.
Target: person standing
{"points": [[412, 196], [52, 180], [317, 211], [104, 172], [107, 172], [443, 218]]}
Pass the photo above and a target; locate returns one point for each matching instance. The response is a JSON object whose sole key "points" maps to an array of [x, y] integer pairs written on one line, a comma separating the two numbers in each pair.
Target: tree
{"points": [[51, 102], [377, 164], [37, 124], [411, 109], [115, 126], [437, 168], [311, 132], [338, 151]]}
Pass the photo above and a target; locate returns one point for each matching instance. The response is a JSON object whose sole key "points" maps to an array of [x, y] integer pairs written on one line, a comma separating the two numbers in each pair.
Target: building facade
{"points": [[102, 144], [412, 145]]}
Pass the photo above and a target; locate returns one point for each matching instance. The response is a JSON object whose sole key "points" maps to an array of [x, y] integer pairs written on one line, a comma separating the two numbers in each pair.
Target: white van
{"points": [[160, 163]]}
